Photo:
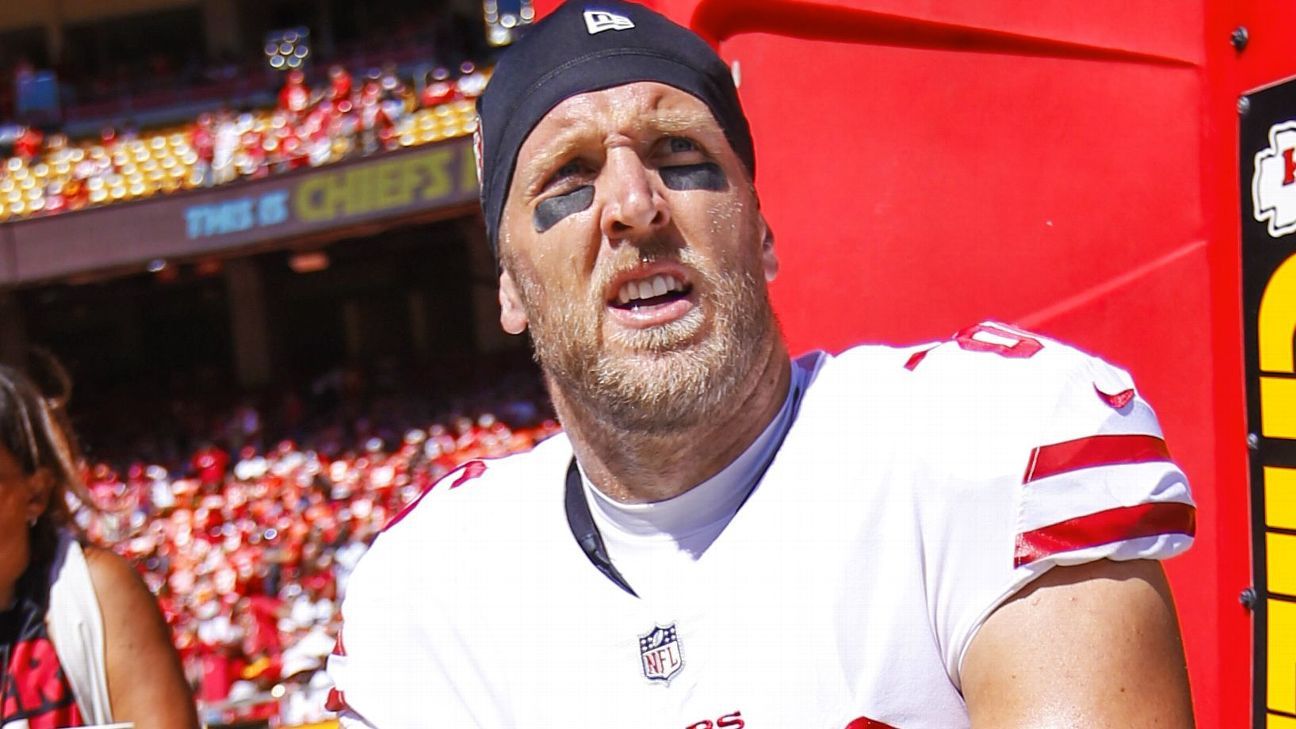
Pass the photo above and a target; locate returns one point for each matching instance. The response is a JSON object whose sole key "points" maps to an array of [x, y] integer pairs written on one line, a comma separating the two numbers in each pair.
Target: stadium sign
{"points": [[278, 208], [1268, 175]]}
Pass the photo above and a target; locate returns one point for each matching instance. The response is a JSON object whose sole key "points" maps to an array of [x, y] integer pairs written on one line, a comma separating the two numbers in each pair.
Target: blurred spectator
{"points": [[249, 542], [437, 88], [204, 146], [294, 96], [28, 144], [340, 87], [77, 619]]}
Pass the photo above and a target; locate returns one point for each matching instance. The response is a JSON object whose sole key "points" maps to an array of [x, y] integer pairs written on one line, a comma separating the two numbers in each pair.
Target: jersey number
{"points": [[987, 338]]}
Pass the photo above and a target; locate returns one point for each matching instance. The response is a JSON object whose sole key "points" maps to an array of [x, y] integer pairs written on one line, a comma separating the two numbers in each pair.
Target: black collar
{"points": [[587, 535]]}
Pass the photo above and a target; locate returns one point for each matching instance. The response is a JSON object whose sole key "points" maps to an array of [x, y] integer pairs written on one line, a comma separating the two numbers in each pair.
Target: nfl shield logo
{"points": [[659, 652]]}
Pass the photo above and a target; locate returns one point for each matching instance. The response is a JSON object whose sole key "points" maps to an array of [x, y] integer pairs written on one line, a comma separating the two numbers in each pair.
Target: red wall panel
{"points": [[918, 188]]}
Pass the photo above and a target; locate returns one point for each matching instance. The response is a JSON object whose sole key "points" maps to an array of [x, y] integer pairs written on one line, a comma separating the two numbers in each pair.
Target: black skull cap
{"points": [[590, 46]]}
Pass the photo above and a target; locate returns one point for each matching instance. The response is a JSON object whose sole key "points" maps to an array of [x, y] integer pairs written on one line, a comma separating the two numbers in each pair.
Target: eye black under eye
{"points": [[703, 176], [551, 210]]}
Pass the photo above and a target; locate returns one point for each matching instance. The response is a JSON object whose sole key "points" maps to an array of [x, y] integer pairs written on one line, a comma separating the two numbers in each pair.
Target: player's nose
{"points": [[634, 204]]}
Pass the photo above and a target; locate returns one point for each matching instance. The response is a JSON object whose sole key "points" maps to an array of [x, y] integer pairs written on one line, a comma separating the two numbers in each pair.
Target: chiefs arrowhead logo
{"points": [[1273, 194]]}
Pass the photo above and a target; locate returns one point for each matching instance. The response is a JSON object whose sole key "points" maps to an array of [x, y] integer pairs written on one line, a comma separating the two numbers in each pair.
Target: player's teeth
{"points": [[659, 285]]}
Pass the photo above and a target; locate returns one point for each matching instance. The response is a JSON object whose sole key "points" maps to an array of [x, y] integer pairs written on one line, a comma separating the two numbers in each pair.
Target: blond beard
{"points": [[667, 377]]}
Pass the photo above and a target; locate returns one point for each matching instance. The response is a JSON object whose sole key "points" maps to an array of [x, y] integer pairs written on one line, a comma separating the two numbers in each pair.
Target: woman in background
{"points": [[82, 641]]}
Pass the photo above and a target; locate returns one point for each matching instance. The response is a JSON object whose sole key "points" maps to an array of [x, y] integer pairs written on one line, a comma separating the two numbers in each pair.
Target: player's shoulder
{"points": [[499, 485], [989, 359], [990, 387], [476, 502], [992, 348], [453, 530]]}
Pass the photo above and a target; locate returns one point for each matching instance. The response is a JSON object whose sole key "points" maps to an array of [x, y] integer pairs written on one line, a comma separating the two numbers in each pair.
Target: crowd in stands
{"points": [[159, 78], [249, 541], [106, 80], [311, 125]]}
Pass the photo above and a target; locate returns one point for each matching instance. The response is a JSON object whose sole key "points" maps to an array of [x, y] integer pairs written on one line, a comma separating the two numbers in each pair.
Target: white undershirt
{"points": [[651, 543]]}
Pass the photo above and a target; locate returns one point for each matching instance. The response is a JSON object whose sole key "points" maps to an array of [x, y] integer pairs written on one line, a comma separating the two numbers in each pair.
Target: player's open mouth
{"points": [[652, 291], [650, 295]]}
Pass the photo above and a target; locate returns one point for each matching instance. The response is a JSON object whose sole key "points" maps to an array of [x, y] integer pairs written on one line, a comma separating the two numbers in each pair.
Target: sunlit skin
{"points": [[1095, 645], [658, 399]]}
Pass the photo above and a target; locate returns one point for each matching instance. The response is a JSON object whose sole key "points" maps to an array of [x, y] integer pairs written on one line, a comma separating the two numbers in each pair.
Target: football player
{"points": [[960, 534]]}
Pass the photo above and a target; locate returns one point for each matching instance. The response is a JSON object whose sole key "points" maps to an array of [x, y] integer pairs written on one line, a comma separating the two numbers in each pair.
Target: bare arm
{"points": [[1096, 645], [146, 684]]}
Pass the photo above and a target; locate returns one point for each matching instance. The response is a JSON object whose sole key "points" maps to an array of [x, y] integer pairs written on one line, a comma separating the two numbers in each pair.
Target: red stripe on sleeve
{"points": [[1096, 450], [1105, 527]]}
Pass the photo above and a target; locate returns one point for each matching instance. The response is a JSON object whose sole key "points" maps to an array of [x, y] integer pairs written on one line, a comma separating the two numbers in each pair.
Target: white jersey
{"points": [[915, 491]]}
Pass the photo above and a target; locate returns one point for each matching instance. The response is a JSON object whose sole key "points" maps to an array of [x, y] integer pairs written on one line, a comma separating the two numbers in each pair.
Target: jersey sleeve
{"points": [[1101, 483], [400, 660], [1083, 474], [389, 667], [344, 674], [370, 665]]}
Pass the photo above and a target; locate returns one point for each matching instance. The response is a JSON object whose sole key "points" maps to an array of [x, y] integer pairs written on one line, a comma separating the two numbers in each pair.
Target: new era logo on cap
{"points": [[478, 156], [598, 21]]}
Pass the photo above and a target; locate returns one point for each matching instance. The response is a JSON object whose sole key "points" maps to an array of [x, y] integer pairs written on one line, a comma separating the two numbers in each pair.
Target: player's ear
{"points": [[769, 260], [513, 318]]}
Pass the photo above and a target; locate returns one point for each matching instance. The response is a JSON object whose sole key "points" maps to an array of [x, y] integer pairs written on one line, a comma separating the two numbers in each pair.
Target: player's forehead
{"points": [[639, 108]]}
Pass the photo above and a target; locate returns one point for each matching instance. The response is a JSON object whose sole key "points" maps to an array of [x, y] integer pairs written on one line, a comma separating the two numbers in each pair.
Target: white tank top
{"points": [[76, 630]]}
